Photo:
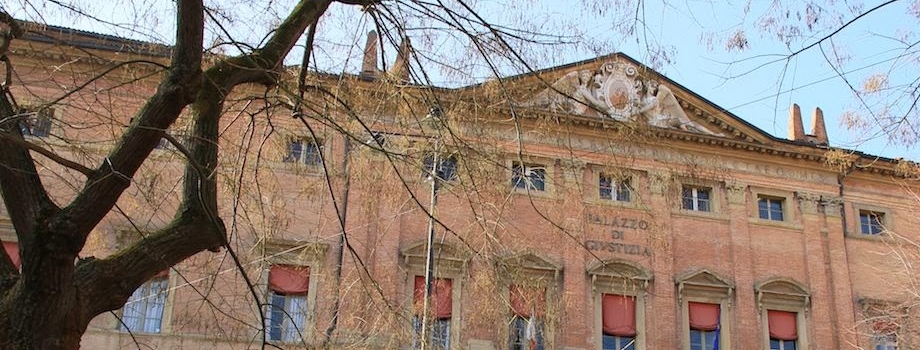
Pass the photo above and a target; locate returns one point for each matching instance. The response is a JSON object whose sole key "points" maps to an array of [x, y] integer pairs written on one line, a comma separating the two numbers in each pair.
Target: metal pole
{"points": [[429, 258]]}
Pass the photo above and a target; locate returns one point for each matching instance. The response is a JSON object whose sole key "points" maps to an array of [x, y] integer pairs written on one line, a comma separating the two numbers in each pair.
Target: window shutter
{"points": [[12, 249], [288, 279], [527, 300], [782, 325], [441, 297], [703, 317], [619, 315]]}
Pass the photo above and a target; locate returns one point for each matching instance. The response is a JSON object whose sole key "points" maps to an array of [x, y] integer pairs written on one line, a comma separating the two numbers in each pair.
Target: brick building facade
{"points": [[588, 206]]}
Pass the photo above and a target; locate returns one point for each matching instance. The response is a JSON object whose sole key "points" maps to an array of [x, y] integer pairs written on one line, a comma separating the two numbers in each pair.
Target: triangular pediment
{"points": [[703, 278], [782, 286], [532, 261], [618, 89]]}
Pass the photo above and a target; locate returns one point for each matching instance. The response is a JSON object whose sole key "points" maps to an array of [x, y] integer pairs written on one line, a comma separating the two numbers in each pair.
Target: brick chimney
{"points": [[369, 65], [796, 130], [818, 130], [400, 69]]}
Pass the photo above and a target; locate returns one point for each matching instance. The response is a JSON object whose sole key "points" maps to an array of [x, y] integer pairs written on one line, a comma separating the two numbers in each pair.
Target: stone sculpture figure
{"points": [[661, 109]]}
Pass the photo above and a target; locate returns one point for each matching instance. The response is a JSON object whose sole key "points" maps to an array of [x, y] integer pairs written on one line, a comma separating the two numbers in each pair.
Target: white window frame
{"points": [[147, 302], [293, 313], [695, 200], [521, 179], [311, 152], [618, 185], [769, 199]]}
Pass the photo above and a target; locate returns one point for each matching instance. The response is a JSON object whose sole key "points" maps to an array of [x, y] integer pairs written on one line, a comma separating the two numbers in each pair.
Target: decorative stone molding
{"points": [[808, 202], [736, 192], [659, 181], [572, 170], [832, 205]]}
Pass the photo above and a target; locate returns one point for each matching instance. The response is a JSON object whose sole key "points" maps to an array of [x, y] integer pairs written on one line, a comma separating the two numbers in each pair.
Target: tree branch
{"points": [[177, 90]]}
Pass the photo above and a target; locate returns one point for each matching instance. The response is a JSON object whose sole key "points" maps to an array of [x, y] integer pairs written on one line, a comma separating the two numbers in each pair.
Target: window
{"points": [[305, 151], [446, 169], [286, 312], [619, 303], [440, 310], [704, 325], [143, 312], [614, 189], [782, 304], [696, 198], [885, 342], [770, 208], [870, 222], [783, 330], [36, 122], [619, 322], [528, 176], [528, 306], [12, 250], [705, 300]]}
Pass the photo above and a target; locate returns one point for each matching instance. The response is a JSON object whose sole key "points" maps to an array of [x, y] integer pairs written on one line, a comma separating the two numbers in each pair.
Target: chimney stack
{"points": [[369, 66], [400, 69], [796, 130], [818, 130]]}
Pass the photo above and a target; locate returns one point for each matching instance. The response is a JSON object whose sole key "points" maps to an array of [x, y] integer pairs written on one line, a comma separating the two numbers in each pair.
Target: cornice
{"points": [[744, 142]]}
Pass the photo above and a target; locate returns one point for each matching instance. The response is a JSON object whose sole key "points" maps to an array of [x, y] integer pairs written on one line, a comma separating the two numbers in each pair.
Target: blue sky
{"points": [[756, 84]]}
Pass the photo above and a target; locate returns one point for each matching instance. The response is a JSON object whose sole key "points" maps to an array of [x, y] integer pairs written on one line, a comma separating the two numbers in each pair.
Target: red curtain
{"points": [[703, 317], [619, 315], [288, 279], [782, 325], [441, 297], [526, 300], [12, 249]]}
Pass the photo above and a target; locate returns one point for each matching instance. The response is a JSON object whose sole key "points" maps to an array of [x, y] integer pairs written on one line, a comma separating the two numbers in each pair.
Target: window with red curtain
{"points": [[12, 249], [527, 300], [441, 297], [289, 279], [619, 315], [703, 317], [782, 325]]}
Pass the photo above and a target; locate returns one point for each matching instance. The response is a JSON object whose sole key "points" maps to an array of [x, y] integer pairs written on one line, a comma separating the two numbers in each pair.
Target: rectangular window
{"points": [[770, 208], [440, 312], [526, 333], [618, 318], [704, 325], [528, 307], [783, 329], [613, 188], [446, 169], [286, 312], [870, 222], [885, 342], [528, 176], [305, 151], [12, 250], [696, 198], [143, 312], [36, 122]]}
